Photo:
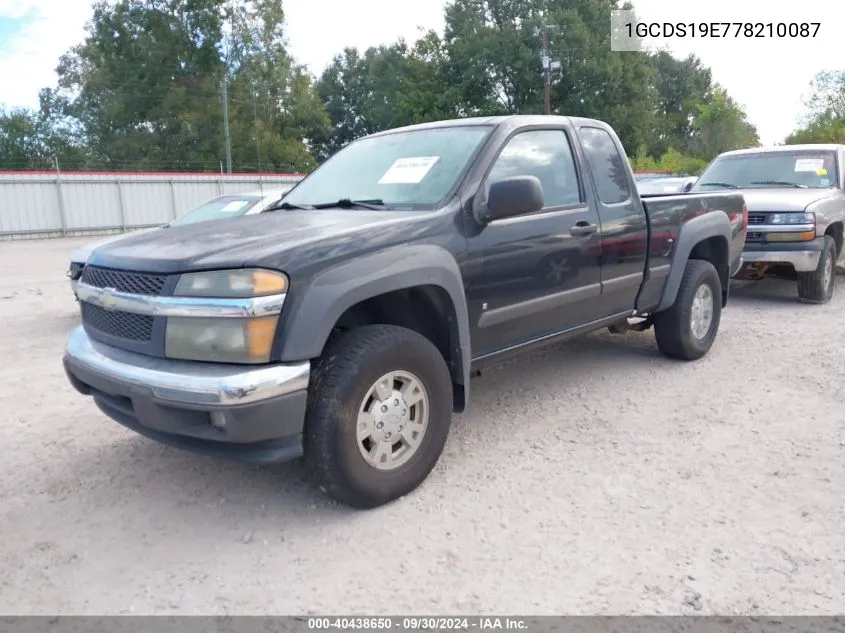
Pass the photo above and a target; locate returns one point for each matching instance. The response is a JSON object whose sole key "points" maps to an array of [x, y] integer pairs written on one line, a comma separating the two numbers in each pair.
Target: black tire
{"points": [[812, 286], [673, 328], [350, 366]]}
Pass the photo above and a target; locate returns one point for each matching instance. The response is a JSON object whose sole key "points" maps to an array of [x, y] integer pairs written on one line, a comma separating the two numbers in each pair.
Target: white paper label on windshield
{"points": [[809, 164], [408, 171], [235, 205]]}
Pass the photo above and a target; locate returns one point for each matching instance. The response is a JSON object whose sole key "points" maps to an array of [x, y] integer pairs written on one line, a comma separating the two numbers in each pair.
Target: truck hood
{"points": [[783, 200], [81, 254], [280, 239]]}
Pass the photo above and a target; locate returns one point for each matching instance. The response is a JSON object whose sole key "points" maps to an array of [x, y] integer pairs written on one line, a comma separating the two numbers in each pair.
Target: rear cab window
{"points": [[609, 168]]}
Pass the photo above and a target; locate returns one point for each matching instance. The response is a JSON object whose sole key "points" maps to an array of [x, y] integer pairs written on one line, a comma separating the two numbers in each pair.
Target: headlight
{"points": [[225, 339], [220, 340], [242, 283], [792, 218]]}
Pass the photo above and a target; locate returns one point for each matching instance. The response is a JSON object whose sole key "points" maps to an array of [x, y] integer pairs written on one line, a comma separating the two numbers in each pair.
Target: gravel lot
{"points": [[593, 477]]}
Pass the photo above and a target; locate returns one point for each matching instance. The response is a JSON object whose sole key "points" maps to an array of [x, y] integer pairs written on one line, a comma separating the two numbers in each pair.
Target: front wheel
{"points": [[379, 411], [688, 329], [817, 286]]}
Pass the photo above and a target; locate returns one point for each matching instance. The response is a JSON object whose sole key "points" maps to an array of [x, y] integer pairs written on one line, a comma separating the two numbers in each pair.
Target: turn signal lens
{"points": [[265, 282], [791, 237], [259, 336]]}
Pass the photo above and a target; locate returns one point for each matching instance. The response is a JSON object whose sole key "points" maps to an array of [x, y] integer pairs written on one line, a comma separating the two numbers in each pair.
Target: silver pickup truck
{"points": [[796, 211]]}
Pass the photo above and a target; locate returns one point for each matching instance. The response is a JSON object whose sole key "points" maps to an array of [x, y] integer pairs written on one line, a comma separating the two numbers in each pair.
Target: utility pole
{"points": [[547, 99], [225, 89], [257, 130]]}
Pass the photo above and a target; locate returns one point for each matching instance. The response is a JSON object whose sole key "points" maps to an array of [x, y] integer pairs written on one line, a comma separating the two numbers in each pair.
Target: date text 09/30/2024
{"points": [[722, 29], [417, 623]]}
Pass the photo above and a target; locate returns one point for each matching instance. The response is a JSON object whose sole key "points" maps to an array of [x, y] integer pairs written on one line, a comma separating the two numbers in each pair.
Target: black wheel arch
{"points": [[706, 237], [419, 287]]}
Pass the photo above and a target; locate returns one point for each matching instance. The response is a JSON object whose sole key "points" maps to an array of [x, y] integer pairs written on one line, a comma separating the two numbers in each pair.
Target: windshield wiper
{"points": [[345, 203], [286, 206], [718, 184], [782, 183]]}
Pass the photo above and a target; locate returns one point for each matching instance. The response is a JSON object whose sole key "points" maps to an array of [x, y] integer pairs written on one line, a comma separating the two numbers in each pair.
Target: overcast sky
{"points": [[768, 77]]}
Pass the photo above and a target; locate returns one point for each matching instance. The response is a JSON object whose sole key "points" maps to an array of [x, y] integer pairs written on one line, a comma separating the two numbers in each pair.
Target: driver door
{"points": [[537, 274]]}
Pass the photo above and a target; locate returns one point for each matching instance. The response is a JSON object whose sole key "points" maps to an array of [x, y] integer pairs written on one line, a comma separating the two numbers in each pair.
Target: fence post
{"points": [[121, 204], [61, 197], [173, 199]]}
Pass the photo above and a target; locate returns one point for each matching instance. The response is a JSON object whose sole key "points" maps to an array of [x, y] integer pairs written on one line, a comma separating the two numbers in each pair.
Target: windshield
{"points": [[221, 207], [414, 169], [813, 169]]}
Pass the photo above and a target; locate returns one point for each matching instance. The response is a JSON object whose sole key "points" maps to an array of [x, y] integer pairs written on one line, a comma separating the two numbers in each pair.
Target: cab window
{"points": [[609, 169], [545, 154]]}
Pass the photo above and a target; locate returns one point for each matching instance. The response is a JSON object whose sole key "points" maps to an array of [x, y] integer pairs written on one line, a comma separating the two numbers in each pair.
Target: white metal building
{"points": [[54, 204]]}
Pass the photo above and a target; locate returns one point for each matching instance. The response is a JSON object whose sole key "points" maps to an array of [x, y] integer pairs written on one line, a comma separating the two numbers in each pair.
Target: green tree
{"points": [[825, 118], [720, 126], [145, 85], [682, 85], [494, 51], [827, 96], [275, 114], [20, 145], [36, 139], [493, 47], [383, 88]]}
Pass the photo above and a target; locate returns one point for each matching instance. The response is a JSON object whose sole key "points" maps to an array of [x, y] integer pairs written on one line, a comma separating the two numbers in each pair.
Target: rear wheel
{"points": [[379, 412], [817, 286], [688, 329]]}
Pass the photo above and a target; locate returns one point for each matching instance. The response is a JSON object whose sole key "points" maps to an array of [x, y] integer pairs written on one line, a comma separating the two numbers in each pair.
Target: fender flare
{"points": [[693, 232], [314, 310]]}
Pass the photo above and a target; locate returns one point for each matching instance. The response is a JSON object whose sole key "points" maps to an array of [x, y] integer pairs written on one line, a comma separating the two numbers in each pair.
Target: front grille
{"points": [[126, 325], [756, 218], [124, 281], [755, 238]]}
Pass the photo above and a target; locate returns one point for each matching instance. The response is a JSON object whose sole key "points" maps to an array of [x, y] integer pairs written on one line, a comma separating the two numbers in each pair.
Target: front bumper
{"points": [[803, 256], [228, 411]]}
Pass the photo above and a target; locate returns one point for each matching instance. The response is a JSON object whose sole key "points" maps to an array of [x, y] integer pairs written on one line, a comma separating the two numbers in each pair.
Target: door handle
{"points": [[583, 228]]}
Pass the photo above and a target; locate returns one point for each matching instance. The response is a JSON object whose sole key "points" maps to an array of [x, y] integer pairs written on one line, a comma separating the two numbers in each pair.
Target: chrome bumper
{"points": [[185, 382], [802, 261]]}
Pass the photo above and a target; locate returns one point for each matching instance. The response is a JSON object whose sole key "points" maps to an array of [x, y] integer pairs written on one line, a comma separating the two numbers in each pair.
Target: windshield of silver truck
{"points": [[794, 169]]}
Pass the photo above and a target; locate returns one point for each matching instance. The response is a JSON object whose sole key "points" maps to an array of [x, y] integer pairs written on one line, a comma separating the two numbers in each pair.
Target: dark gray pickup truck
{"points": [[345, 325]]}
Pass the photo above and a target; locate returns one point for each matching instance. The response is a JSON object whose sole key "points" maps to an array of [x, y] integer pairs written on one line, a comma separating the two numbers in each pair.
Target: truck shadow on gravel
{"points": [[769, 290], [135, 471]]}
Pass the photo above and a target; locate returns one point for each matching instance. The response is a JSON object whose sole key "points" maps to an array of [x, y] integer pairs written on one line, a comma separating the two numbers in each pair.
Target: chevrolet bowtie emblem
{"points": [[107, 298]]}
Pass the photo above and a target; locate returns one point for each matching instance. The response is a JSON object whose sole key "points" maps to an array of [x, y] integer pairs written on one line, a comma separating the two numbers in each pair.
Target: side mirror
{"points": [[687, 187], [512, 197]]}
